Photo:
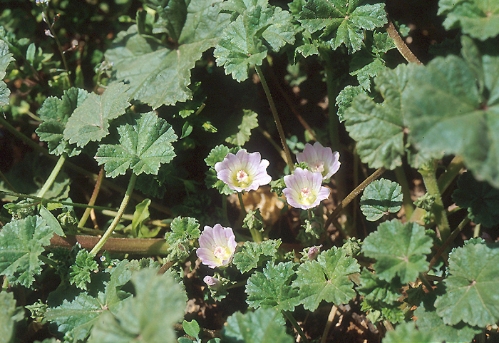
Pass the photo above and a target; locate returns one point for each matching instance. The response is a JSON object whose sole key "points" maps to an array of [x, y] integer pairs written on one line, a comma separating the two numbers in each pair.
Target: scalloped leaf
{"points": [[326, 278], [399, 249], [472, 295], [481, 200], [9, 315], [261, 326], [447, 113], [381, 197], [21, 244], [249, 122], [342, 22], [142, 147], [245, 41], [5, 59], [379, 128], [90, 120], [55, 114], [157, 296], [160, 75], [479, 19], [254, 254], [272, 288]]}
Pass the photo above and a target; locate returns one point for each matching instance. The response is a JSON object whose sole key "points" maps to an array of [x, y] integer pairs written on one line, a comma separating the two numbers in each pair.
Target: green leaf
{"points": [[341, 21], [191, 328], [479, 19], [381, 197], [377, 291], [184, 231], [142, 147], [326, 278], [399, 249], [148, 316], [140, 216], [272, 288], [5, 59], [345, 98], [51, 221], [158, 74], [261, 326], [378, 128], [55, 113], [90, 120], [9, 315], [481, 200], [472, 295], [172, 16], [250, 121], [429, 321], [245, 41], [21, 244], [82, 268], [407, 333], [254, 254], [443, 101], [217, 154]]}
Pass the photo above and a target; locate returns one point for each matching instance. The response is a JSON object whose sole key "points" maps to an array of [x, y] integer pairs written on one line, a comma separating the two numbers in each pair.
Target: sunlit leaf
{"points": [[5, 59], [472, 295], [81, 270], [142, 147], [9, 315], [399, 249], [381, 197], [407, 332], [326, 278], [250, 121], [254, 254]]}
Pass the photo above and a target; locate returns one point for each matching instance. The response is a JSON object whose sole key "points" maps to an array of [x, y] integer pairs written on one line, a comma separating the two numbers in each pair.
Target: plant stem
{"points": [[430, 181], [407, 201], [277, 121], [59, 46], [53, 175], [297, 327], [121, 210], [352, 195], [330, 320], [93, 198], [401, 46], [136, 246]]}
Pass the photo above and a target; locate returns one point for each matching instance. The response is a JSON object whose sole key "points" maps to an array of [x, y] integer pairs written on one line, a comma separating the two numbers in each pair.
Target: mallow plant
{"points": [[347, 188]]}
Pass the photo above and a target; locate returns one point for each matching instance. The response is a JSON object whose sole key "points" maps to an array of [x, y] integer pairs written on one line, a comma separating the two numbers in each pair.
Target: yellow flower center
{"points": [[222, 253], [307, 197], [318, 167], [242, 179]]}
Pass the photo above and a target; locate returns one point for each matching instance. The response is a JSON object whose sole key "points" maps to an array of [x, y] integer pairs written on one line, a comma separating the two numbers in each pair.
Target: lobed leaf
{"points": [[21, 244], [379, 128], [261, 326], [142, 147], [160, 75], [472, 295], [272, 288], [55, 114], [90, 120], [381, 197], [5, 59], [326, 278], [158, 297], [9, 315], [82, 268], [249, 122], [342, 22], [407, 332], [399, 249], [479, 19], [254, 254]]}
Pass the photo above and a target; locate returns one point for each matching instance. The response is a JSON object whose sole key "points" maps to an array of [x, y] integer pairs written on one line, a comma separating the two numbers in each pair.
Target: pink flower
{"points": [[212, 282], [243, 171], [303, 189], [216, 246], [320, 159]]}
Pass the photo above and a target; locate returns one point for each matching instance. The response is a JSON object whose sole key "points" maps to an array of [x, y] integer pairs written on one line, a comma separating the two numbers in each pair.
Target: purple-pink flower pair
{"points": [[304, 187]]}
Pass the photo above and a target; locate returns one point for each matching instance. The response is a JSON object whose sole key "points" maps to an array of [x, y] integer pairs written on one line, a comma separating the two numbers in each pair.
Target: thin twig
{"points": [[400, 44]]}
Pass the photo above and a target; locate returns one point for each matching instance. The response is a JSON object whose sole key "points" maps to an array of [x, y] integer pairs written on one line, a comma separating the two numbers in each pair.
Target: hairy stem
{"points": [[255, 234], [121, 210], [277, 121], [400, 44], [407, 201], [438, 209]]}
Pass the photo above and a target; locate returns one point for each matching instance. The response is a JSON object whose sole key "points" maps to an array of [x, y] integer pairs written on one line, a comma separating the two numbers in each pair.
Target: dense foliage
{"points": [[210, 171]]}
